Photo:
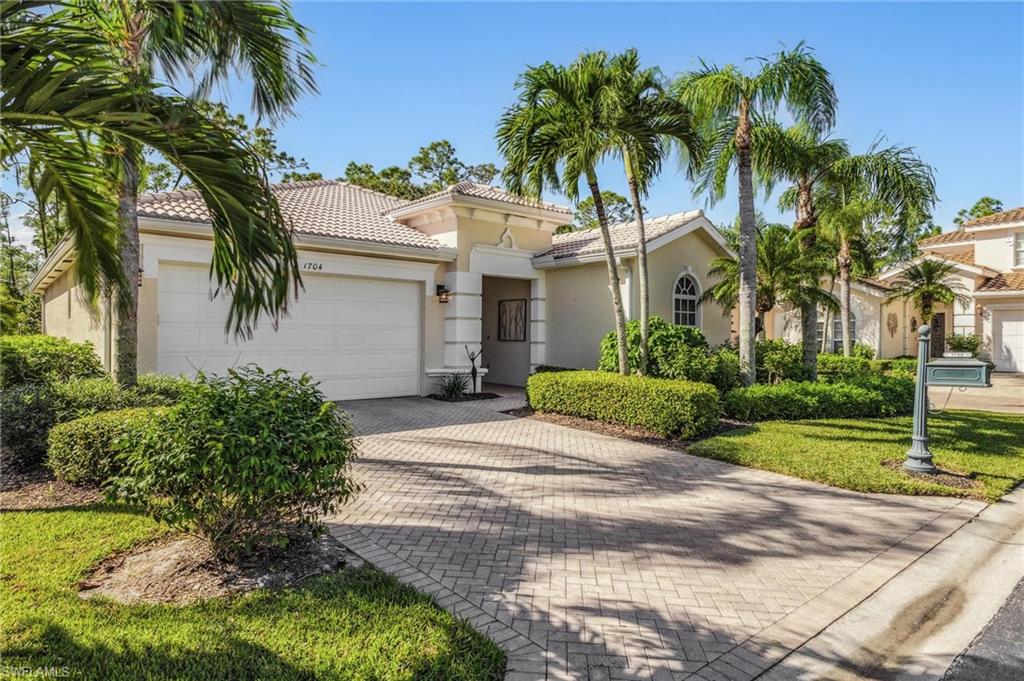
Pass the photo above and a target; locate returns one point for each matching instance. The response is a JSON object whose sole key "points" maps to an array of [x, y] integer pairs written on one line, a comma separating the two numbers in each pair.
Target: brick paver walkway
{"points": [[586, 556]]}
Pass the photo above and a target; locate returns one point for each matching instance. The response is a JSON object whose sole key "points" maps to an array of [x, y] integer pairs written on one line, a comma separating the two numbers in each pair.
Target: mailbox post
{"points": [[919, 458]]}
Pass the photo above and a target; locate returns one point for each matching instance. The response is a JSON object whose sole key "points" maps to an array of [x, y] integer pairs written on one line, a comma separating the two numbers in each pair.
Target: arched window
{"points": [[685, 310]]}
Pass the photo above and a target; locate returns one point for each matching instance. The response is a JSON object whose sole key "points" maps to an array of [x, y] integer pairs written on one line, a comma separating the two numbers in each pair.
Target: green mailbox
{"points": [[964, 372]]}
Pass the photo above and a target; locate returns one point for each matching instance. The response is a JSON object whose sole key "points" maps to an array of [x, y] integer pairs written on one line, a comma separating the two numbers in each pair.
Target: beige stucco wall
{"points": [[580, 304], [507, 362], [995, 248], [473, 231], [66, 314]]}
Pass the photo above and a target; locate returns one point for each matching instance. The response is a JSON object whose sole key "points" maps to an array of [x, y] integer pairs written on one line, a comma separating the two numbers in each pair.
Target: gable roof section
{"points": [[1013, 215], [487, 193], [328, 208], [625, 236], [954, 237], [1007, 282]]}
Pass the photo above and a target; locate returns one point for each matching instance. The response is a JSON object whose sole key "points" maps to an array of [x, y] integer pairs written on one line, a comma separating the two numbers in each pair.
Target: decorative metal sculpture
{"points": [[472, 361], [892, 323]]}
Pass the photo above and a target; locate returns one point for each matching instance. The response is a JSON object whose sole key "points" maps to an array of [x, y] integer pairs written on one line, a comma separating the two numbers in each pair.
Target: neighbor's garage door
{"points": [[358, 337], [1008, 339]]}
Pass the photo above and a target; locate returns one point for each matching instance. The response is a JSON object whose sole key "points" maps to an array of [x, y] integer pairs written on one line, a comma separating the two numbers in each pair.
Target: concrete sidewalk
{"points": [[1006, 395], [918, 622]]}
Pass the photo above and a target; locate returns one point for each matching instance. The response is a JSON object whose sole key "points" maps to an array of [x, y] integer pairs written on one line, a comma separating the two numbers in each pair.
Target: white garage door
{"points": [[1008, 340], [358, 337]]}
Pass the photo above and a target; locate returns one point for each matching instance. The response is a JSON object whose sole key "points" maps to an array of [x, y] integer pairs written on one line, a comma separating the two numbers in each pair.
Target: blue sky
{"points": [[945, 78]]}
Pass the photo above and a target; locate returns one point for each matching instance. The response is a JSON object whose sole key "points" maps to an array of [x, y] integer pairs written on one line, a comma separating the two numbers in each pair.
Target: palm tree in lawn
{"points": [[555, 135], [649, 123], [782, 268], [927, 282], [728, 101], [220, 37], [810, 160], [63, 96]]}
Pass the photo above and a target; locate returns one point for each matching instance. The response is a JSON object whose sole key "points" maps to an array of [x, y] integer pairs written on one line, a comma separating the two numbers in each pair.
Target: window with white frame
{"points": [[1018, 249], [684, 301], [837, 334]]}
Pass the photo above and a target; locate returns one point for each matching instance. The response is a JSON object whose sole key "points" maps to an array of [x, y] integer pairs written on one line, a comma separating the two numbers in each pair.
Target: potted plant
{"points": [[965, 345]]}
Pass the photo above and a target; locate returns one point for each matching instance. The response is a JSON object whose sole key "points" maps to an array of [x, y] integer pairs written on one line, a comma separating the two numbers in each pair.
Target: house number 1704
{"points": [[313, 266]]}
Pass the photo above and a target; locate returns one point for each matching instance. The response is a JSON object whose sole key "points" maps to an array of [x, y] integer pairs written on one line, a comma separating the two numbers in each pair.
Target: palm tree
{"points": [[261, 40], [555, 135], [728, 102], [782, 269], [648, 123], [891, 176], [927, 282], [63, 95]]}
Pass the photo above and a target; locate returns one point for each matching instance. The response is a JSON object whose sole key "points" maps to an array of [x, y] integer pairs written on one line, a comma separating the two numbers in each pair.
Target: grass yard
{"points": [[357, 624], [849, 453]]}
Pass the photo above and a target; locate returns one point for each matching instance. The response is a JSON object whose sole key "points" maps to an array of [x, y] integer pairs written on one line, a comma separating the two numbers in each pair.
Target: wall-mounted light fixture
{"points": [[443, 294]]}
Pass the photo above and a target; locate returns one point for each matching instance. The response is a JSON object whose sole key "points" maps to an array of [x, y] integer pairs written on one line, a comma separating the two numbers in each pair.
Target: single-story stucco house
{"points": [[988, 259], [395, 291]]}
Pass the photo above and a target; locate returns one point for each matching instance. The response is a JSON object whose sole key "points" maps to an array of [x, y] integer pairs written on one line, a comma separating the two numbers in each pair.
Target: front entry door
{"points": [[938, 334]]}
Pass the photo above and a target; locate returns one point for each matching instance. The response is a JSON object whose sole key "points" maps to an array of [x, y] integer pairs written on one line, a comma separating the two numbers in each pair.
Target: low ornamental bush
{"points": [[777, 361], [28, 412], [170, 388], [670, 408], [249, 460], [844, 397], [969, 342], [85, 450], [44, 359], [862, 350], [676, 352], [831, 364]]}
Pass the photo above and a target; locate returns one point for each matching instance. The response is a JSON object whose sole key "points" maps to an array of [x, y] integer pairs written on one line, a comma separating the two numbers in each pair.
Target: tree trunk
{"points": [[645, 302], [747, 299], [613, 273], [825, 326], [844, 295], [806, 220], [127, 316], [926, 308]]}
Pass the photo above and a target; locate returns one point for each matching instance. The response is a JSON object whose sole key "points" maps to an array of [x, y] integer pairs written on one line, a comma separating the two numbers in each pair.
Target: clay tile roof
{"points": [[877, 283], [328, 208], [1007, 281], [1007, 216], [962, 257], [486, 191], [953, 237], [624, 235]]}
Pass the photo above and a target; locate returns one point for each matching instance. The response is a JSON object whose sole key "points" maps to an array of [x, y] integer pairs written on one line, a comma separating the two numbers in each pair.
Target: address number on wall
{"points": [[312, 266]]}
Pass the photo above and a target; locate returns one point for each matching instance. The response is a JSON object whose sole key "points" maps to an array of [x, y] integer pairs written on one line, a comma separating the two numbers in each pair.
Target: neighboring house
{"points": [[396, 291], [988, 256]]}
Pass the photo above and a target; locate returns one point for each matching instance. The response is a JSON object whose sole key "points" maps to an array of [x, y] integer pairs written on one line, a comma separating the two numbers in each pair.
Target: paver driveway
{"points": [[586, 556]]}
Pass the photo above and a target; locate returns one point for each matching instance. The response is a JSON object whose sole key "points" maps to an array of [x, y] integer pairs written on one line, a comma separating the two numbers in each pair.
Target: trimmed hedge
{"points": [[838, 365], [30, 411], [778, 361], [84, 450], [670, 408], [171, 388], [843, 398], [45, 359]]}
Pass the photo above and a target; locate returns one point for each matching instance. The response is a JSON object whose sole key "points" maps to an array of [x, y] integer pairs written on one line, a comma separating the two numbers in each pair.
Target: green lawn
{"points": [[849, 453], [353, 625]]}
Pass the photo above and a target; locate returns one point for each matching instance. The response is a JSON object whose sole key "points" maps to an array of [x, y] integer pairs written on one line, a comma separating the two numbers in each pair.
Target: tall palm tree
{"points": [[261, 40], [890, 178], [782, 269], [927, 282], [63, 94], [728, 101], [555, 135], [648, 124]]}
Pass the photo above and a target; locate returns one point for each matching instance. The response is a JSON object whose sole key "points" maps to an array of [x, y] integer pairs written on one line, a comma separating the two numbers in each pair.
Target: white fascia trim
{"points": [[950, 245], [978, 270], [998, 294], [204, 229], [42, 276], [445, 200], [998, 225], [868, 289], [502, 250], [548, 262]]}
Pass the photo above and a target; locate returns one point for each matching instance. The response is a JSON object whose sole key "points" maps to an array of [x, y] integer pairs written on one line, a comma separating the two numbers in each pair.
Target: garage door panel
{"points": [[358, 337], [1008, 340]]}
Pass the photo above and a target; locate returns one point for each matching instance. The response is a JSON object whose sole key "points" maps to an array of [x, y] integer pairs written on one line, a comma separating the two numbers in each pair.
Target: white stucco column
{"points": [[462, 322], [538, 321]]}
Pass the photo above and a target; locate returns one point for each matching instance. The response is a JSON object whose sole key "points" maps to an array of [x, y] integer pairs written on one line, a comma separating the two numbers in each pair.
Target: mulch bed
{"points": [[624, 432], [466, 397], [38, 489], [181, 569], [942, 477]]}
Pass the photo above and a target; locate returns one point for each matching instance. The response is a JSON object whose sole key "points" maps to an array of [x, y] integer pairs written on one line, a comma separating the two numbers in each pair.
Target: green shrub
{"points": [[964, 343], [29, 411], [862, 350], [84, 450], [676, 352], [903, 364], [248, 460], [670, 408], [170, 388], [543, 368], [777, 361], [831, 364], [452, 386], [838, 397], [43, 359]]}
